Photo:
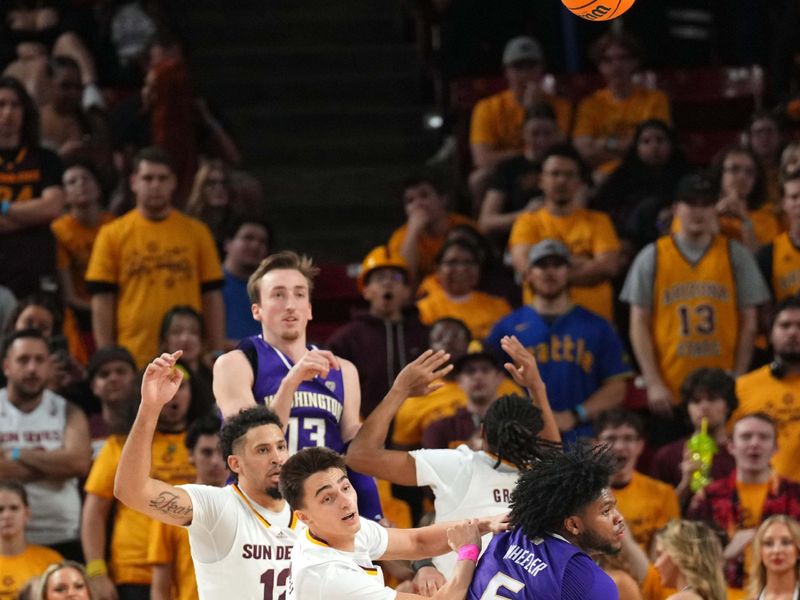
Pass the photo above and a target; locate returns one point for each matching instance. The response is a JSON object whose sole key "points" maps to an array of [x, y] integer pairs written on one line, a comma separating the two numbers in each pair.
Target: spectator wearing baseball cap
{"points": [[580, 356], [496, 126], [693, 297], [588, 234], [112, 378]]}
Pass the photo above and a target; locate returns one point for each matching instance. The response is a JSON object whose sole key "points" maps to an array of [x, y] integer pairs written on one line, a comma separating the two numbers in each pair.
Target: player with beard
{"points": [[580, 356], [561, 511], [241, 535], [313, 392], [775, 388]]}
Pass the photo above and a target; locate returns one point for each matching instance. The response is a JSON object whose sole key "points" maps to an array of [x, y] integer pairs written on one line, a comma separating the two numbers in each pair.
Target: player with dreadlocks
{"points": [[561, 511], [465, 483]]}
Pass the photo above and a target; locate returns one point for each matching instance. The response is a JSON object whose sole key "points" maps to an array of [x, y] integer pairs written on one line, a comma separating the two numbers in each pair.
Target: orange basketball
{"points": [[598, 10]]}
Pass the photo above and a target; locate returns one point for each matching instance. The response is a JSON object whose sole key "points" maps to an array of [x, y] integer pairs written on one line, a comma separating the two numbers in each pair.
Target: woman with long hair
{"points": [[648, 174], [775, 568], [690, 560], [211, 199]]}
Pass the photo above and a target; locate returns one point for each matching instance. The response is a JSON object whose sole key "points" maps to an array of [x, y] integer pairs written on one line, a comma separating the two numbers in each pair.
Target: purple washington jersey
{"points": [[317, 405], [550, 568], [316, 412]]}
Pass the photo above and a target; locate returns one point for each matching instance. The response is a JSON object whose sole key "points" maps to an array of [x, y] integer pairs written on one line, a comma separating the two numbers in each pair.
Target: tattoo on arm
{"points": [[168, 503]]}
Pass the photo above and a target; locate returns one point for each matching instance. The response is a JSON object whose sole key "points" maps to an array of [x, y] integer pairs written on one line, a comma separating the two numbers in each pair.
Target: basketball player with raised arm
{"points": [[465, 483], [316, 394], [241, 535]]}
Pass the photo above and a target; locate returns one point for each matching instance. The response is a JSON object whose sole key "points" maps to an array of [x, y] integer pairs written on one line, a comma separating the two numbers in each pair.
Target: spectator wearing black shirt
{"points": [[514, 187], [644, 184], [30, 195]]}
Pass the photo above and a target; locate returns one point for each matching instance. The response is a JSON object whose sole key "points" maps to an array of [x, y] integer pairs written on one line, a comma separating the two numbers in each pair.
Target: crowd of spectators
{"points": [[659, 300]]}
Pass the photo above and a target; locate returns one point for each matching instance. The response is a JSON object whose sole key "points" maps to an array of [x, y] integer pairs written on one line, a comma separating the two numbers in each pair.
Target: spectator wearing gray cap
{"points": [[496, 126], [693, 298], [589, 234], [580, 356]]}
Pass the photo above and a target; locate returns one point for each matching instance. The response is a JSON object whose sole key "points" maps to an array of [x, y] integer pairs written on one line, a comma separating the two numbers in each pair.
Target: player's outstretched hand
{"points": [[428, 580], [524, 369], [313, 363], [463, 533], [161, 380], [417, 377], [495, 524]]}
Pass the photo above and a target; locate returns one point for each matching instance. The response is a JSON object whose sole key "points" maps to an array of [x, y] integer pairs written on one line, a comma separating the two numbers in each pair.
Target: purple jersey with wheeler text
{"points": [[550, 568]]}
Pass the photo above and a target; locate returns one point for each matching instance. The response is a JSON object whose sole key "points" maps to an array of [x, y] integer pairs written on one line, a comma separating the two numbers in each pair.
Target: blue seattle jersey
{"points": [[576, 354], [315, 415], [517, 568]]}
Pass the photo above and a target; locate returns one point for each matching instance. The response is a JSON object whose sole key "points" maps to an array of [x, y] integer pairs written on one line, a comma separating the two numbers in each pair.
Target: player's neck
{"points": [[261, 497], [344, 543], [294, 349], [12, 546]]}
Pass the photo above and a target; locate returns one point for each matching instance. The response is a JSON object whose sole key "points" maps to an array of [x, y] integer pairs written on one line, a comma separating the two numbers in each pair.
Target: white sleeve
{"points": [[340, 581], [446, 471], [372, 539], [213, 527]]}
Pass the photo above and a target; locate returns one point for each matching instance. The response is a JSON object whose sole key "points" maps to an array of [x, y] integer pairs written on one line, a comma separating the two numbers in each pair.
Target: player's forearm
{"points": [[748, 328], [458, 584], [133, 472], [281, 404], [372, 434], [538, 393], [214, 319]]}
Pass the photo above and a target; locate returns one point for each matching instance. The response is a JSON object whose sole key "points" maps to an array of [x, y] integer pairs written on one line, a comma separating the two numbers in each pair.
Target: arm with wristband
{"points": [[463, 538]]}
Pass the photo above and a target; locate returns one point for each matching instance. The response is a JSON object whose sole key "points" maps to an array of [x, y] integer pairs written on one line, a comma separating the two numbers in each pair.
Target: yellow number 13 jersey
{"points": [[695, 314]]}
